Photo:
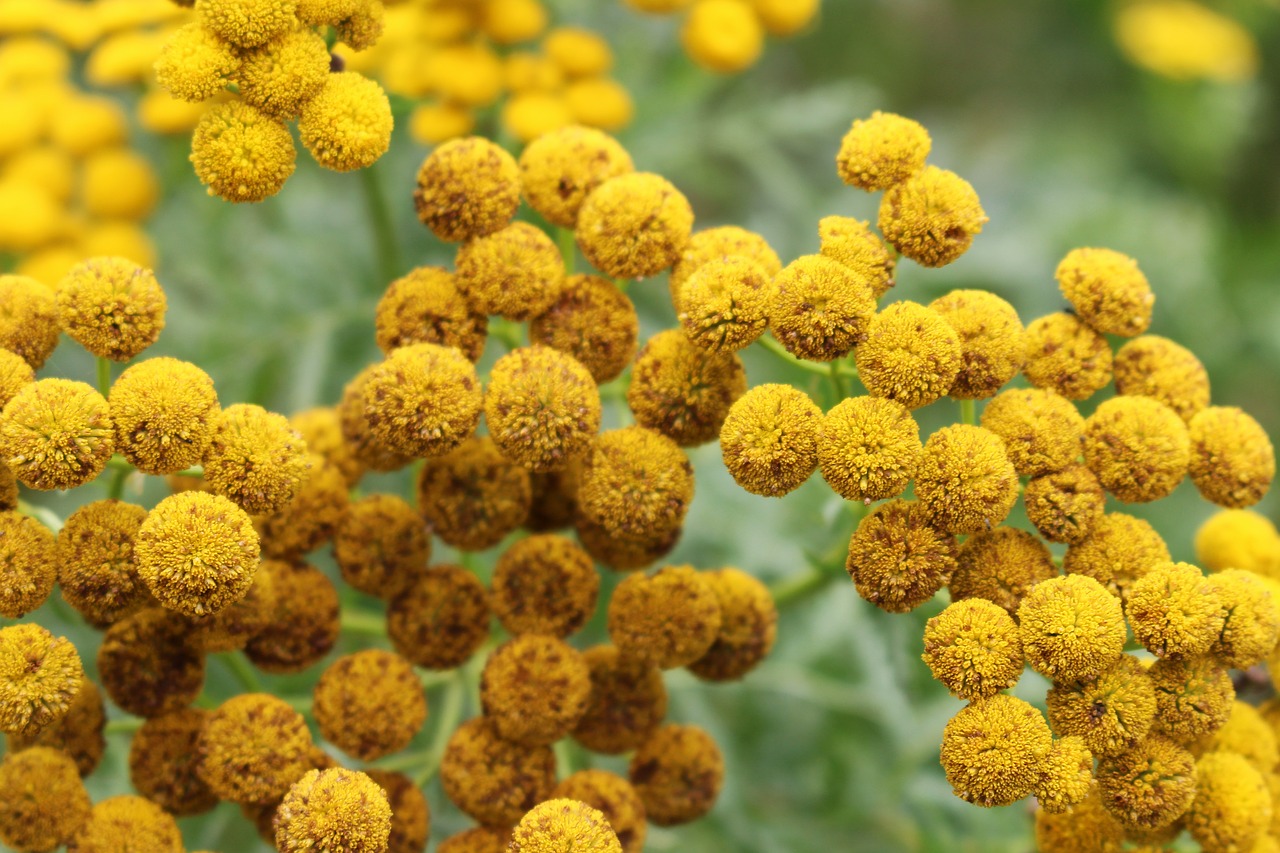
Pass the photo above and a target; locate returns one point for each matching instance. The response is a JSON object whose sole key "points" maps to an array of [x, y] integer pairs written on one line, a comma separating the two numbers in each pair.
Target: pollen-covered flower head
{"points": [[381, 544], [234, 625], [1174, 610], [992, 345], [564, 824], [725, 36], [1138, 447], [440, 619], [1239, 539], [147, 666], [544, 584], [882, 151], [467, 188], [911, 355], [681, 390], [1232, 460], [559, 169], [769, 439], [724, 306], [247, 23], [282, 76], [78, 732], [1149, 786], [1041, 430], [111, 306], [347, 125], [96, 565], [932, 216], [15, 374], [965, 480], [369, 704], [748, 626], [305, 624], [410, 813], [1067, 356], [424, 400], [1072, 628], [1232, 806], [164, 760], [868, 448], [310, 519], [43, 803], [898, 559], [426, 306], [128, 822], [321, 429], [1107, 290], [634, 225], [473, 496], [29, 323], [535, 688], [1065, 504], [1118, 551], [994, 750], [478, 839], [196, 552], [492, 779], [616, 799], [636, 483], [1194, 696], [625, 553], [28, 564], [253, 748], [851, 242], [1246, 732], [821, 308], [367, 450], [593, 321], [1112, 710], [196, 63], [1251, 620], [1152, 366], [40, 675], [669, 618], [720, 244], [164, 411], [678, 772], [627, 702], [1086, 826], [1001, 565], [542, 407], [974, 649], [240, 153], [1068, 775], [333, 811], [56, 434]]}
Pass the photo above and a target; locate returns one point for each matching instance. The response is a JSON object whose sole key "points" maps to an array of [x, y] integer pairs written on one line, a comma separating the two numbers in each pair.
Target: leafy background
{"points": [[832, 743]]}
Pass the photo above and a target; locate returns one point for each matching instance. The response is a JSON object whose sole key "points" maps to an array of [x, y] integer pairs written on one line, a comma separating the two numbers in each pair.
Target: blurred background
{"points": [[1076, 125]]}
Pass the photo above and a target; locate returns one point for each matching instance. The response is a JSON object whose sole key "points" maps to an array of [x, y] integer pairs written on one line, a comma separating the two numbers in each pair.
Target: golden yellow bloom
{"points": [[670, 618], [56, 434], [1138, 447], [786, 17], [769, 439], [195, 64], [1252, 620], [678, 772], [333, 811], [625, 553], [247, 23], [118, 184], [128, 821], [1068, 776], [534, 688], [28, 564], [43, 803], [1001, 565], [681, 390], [241, 153], [1152, 366], [513, 21], [410, 814], [15, 374], [473, 496], [282, 76], [932, 216], [112, 307], [1232, 805], [748, 627], [196, 552], [84, 124], [579, 52], [559, 169], [965, 480], [1247, 733], [544, 585], [255, 458], [564, 824], [161, 113], [974, 649], [321, 429], [634, 225], [440, 619], [911, 355], [1112, 711], [32, 217], [852, 242], [1066, 356], [1174, 610], [164, 411], [494, 780], [868, 448], [1239, 539], [1193, 697], [253, 748], [725, 304], [381, 544], [305, 625], [1184, 40], [516, 272], [1232, 460], [658, 7], [993, 751], [1085, 826], [96, 567], [78, 733], [1150, 785], [1072, 628], [636, 483], [426, 306], [363, 27], [723, 35], [478, 839], [310, 519], [542, 407], [347, 125], [992, 345], [467, 188], [1118, 551], [882, 151], [529, 115], [592, 321], [1065, 505], [1107, 290], [720, 244], [40, 675], [821, 308], [1042, 431], [164, 760], [898, 559], [232, 627], [434, 124], [616, 799], [146, 665], [369, 704], [627, 703]]}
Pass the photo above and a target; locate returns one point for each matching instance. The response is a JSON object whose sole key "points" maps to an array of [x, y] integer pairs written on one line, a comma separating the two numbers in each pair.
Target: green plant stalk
{"points": [[968, 412], [243, 671], [450, 715], [104, 376], [360, 622], [838, 383], [123, 725], [568, 249], [383, 228], [115, 487], [817, 368]]}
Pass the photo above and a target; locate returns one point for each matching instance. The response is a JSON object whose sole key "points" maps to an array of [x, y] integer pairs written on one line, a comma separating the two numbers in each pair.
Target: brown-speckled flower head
{"points": [[305, 624], [1067, 778], [310, 519], [78, 732], [410, 813], [1067, 356], [615, 797], [973, 648], [634, 225], [467, 188], [993, 751], [255, 458], [425, 306], [56, 434], [232, 627], [821, 309], [28, 319], [898, 558], [1107, 290], [670, 618], [40, 675], [492, 779], [112, 307], [96, 566], [542, 407], [1113, 710], [128, 822], [440, 619], [1149, 786], [1152, 366], [516, 272], [147, 666], [724, 306], [1065, 504], [769, 439], [881, 151], [334, 811], [164, 760], [683, 391], [1138, 447], [932, 216], [1072, 627], [559, 169], [1251, 619], [868, 448], [992, 344], [748, 627], [593, 321], [242, 154], [544, 584], [164, 411], [1232, 806], [912, 355], [1174, 610], [1086, 826], [381, 544], [965, 480], [564, 824], [1194, 697], [1041, 430], [535, 689], [28, 564], [852, 243], [473, 496], [678, 772], [43, 803], [636, 483], [423, 400], [347, 125], [628, 702], [253, 748], [1001, 565], [625, 553], [720, 244], [479, 839], [1232, 460], [369, 704], [555, 499], [1118, 551]]}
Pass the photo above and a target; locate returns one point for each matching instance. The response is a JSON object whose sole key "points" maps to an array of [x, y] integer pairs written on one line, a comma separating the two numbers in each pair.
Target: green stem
{"points": [[383, 229], [243, 671], [363, 622], [115, 488], [622, 284], [799, 586], [968, 412], [44, 515], [568, 249], [833, 369], [507, 332], [123, 725], [837, 382], [104, 376], [450, 715]]}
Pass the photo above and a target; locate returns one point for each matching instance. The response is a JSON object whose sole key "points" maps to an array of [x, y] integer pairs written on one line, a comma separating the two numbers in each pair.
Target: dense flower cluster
{"points": [[728, 36]]}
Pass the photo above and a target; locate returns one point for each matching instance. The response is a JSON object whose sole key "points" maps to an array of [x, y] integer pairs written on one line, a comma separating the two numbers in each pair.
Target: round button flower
{"points": [[28, 564], [559, 169], [724, 306], [516, 272], [333, 811], [1194, 697], [40, 675], [164, 411], [247, 23], [821, 309], [635, 483], [29, 324], [381, 545], [164, 760], [634, 225], [542, 407], [898, 559], [283, 75], [534, 688], [473, 496], [1072, 628], [851, 242], [467, 188], [544, 584], [965, 480], [15, 374], [1107, 290], [1112, 711], [1118, 551], [441, 619], [56, 434], [1138, 447], [304, 627], [96, 565], [112, 307], [241, 153], [720, 244], [678, 773], [992, 341], [932, 216], [769, 439], [1066, 356], [748, 627], [410, 814], [974, 649], [426, 306], [683, 391], [722, 35], [1232, 460], [78, 733], [492, 779], [1174, 610], [1232, 805], [253, 748], [369, 704], [616, 799], [1065, 505], [563, 824], [1238, 539], [43, 803], [147, 666], [1041, 430], [911, 355], [670, 618], [1149, 786], [994, 750], [255, 458], [882, 151], [128, 821], [195, 63], [1251, 620], [1068, 775], [1001, 565], [592, 321], [627, 702], [1152, 366], [310, 519], [868, 448], [423, 400]]}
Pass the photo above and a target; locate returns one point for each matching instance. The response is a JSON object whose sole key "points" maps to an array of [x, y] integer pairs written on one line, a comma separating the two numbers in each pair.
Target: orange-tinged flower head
{"points": [[1042, 431], [78, 733], [478, 839], [634, 225], [1068, 775], [40, 675], [128, 821], [1112, 711], [965, 480], [424, 400], [911, 355], [769, 439], [381, 545], [1072, 628], [882, 151], [535, 688], [564, 824], [1174, 610], [43, 803], [821, 309], [542, 407], [681, 390], [28, 564], [616, 799], [440, 619], [1232, 460], [1232, 806], [932, 216], [305, 624], [1118, 551], [868, 448], [625, 553], [544, 584], [164, 411], [1152, 366], [1065, 504], [232, 627], [1107, 290], [559, 169], [147, 666], [748, 626], [719, 244], [467, 188], [852, 242], [368, 451], [994, 750], [1001, 565], [247, 23], [253, 748], [410, 813], [334, 811], [112, 307], [242, 154], [974, 649], [282, 76], [898, 559], [678, 772], [670, 618], [1066, 356], [96, 565], [1138, 447], [627, 703], [56, 434], [593, 321], [474, 496], [724, 306], [636, 483], [992, 341], [492, 779], [1149, 786], [426, 306], [1194, 696], [369, 704], [310, 519], [164, 761]]}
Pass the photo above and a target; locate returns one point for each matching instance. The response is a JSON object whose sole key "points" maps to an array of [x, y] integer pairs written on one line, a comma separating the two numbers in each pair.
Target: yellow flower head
{"points": [[40, 675], [634, 225], [381, 544], [1149, 786], [821, 309], [529, 115], [96, 566], [911, 355], [309, 520], [853, 243], [723, 35], [1239, 539], [15, 374], [628, 702], [118, 184], [8, 488], [898, 559], [231, 628], [1174, 610], [1107, 290], [1042, 431], [247, 23], [1247, 733], [478, 839], [1068, 775], [965, 480], [56, 434], [434, 124], [636, 483], [1138, 447], [426, 306], [321, 429], [1112, 711], [748, 627], [28, 564], [440, 619], [564, 824], [544, 584], [868, 448], [493, 779], [147, 666], [1001, 565], [112, 307], [1232, 460], [1066, 356], [516, 272], [724, 306], [255, 458], [1232, 805], [1086, 826], [164, 761], [932, 216], [347, 125], [410, 814], [720, 244], [195, 64], [883, 151], [282, 76], [333, 811], [253, 748], [424, 400], [592, 321], [305, 623], [43, 803], [1152, 366], [1193, 697], [786, 17], [467, 188], [994, 750], [559, 169], [769, 439], [625, 553], [579, 52], [369, 704], [78, 733], [473, 496], [1072, 628], [992, 346], [1184, 40], [535, 688], [241, 153], [555, 499], [128, 821], [513, 21], [658, 7], [1252, 620], [1118, 551], [1065, 505], [615, 797], [681, 390], [363, 27], [974, 649], [670, 618], [678, 772], [28, 319], [542, 407]]}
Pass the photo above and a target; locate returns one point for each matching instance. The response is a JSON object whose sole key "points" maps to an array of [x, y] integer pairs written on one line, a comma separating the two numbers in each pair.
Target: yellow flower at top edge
{"points": [[1184, 40]]}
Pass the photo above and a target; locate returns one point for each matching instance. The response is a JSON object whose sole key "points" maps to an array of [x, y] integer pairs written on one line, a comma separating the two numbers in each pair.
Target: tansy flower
{"points": [[932, 216], [309, 520], [195, 63], [164, 411], [994, 750], [333, 811], [1066, 356], [234, 625], [636, 483], [347, 125], [1251, 620], [544, 584], [852, 243], [542, 407], [678, 772], [1150, 785], [492, 779], [128, 821], [1152, 366], [1001, 565], [974, 649], [1112, 711], [321, 429], [361, 29], [369, 704], [769, 439], [1232, 805], [1107, 290], [112, 307], [681, 390], [724, 306], [722, 35], [1232, 460], [282, 76], [381, 544], [8, 488], [440, 619], [424, 400], [164, 759], [117, 184], [719, 244], [616, 799], [1174, 611], [241, 153], [56, 434], [1193, 697], [534, 688], [473, 496], [1068, 775], [410, 814], [1041, 430], [247, 23], [28, 564], [748, 626], [559, 169], [786, 17], [478, 839], [253, 748], [1118, 551], [964, 480], [992, 346], [868, 448], [96, 566], [821, 309], [879, 152], [578, 51], [146, 665], [555, 499], [467, 188], [627, 703], [634, 225], [898, 559], [15, 374], [305, 625], [911, 355], [1064, 505], [625, 553], [1138, 447], [426, 306], [368, 451], [560, 824], [1086, 826], [670, 618], [43, 803], [1247, 733], [592, 321], [1238, 539], [1072, 628], [40, 675], [78, 733]]}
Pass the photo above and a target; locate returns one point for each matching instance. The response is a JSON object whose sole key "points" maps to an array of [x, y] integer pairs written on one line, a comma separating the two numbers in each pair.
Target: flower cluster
{"points": [[728, 36]]}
